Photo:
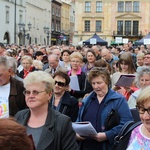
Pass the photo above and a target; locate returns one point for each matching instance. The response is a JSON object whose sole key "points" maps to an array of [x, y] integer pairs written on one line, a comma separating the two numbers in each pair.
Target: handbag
{"points": [[112, 120], [122, 139]]}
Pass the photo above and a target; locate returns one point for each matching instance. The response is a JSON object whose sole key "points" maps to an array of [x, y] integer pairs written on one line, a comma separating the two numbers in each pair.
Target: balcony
{"points": [[127, 34]]}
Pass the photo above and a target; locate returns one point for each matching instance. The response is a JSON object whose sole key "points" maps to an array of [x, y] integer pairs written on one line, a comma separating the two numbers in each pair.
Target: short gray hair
{"points": [[4, 61], [140, 72], [40, 76]]}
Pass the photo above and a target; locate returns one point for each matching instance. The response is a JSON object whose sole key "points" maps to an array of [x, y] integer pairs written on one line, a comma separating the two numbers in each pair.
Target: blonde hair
{"points": [[38, 64], [76, 55], [143, 97], [28, 58], [40, 76]]}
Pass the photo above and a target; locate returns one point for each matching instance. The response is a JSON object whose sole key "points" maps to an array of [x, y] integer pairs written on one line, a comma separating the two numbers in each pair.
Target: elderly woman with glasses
{"points": [[61, 99], [139, 137], [106, 109], [84, 86], [26, 62], [49, 129]]}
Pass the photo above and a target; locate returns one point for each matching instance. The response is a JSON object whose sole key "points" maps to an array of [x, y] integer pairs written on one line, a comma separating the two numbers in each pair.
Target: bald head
{"points": [[106, 54], [57, 52]]}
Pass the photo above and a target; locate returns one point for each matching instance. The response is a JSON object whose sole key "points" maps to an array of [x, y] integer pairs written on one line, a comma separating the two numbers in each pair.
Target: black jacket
{"points": [[69, 106]]}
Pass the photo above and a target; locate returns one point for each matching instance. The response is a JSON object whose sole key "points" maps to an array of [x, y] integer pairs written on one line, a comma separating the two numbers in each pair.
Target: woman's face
{"points": [[35, 101], [26, 64], [66, 57], [140, 61], [124, 67], [99, 86], [145, 80], [145, 117], [90, 57], [75, 63]]}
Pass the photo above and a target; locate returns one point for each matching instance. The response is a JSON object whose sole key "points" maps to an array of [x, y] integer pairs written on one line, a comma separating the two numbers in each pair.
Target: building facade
{"points": [[12, 12], [111, 18], [25, 21], [56, 22]]}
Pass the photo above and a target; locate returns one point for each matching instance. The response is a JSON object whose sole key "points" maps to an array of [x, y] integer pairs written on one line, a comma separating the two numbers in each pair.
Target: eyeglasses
{"points": [[142, 110], [25, 63], [73, 61], [34, 92], [60, 83], [148, 57]]}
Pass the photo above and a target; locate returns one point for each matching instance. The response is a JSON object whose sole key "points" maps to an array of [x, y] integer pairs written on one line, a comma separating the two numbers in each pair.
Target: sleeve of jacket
{"points": [[125, 115], [74, 110], [68, 136], [21, 100]]}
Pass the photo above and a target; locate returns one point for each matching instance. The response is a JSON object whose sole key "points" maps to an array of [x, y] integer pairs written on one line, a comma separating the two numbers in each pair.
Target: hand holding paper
{"points": [[84, 128]]}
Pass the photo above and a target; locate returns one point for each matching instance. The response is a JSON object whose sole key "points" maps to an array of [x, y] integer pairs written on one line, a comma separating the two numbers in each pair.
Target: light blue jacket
{"points": [[113, 100]]}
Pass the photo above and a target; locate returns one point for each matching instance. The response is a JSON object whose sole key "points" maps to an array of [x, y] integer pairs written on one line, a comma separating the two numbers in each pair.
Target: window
{"points": [[87, 25], [52, 25], [135, 6], [120, 6], [7, 14], [135, 27], [20, 16], [53, 11], [127, 27], [120, 27], [99, 6], [98, 26], [128, 6], [87, 6]]}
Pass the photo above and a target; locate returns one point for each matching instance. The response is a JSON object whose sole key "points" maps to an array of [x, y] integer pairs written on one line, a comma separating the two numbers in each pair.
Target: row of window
{"points": [[123, 6], [123, 27]]}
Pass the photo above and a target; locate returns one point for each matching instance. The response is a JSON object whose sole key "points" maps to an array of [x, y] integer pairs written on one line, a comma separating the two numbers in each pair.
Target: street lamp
{"points": [[22, 29], [47, 31]]}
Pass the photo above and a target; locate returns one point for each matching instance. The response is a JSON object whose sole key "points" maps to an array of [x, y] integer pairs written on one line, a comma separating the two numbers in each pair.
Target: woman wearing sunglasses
{"points": [[49, 129], [61, 99]]}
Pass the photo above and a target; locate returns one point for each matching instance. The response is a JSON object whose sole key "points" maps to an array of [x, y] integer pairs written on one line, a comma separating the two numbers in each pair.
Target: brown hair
{"points": [[13, 136], [127, 59], [100, 71]]}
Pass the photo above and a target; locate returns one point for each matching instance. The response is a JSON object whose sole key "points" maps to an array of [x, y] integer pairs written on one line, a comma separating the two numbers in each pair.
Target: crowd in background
{"points": [[97, 69]]}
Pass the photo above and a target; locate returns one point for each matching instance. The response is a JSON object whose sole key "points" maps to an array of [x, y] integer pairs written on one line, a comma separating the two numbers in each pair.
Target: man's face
{"points": [[147, 60], [4, 75], [53, 63]]}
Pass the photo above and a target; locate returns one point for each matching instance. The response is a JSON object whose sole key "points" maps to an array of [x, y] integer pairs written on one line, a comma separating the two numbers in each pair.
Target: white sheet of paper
{"points": [[84, 128], [74, 84]]}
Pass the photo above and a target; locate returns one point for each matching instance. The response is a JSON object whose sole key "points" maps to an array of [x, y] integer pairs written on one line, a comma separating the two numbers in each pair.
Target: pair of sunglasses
{"points": [[60, 83]]}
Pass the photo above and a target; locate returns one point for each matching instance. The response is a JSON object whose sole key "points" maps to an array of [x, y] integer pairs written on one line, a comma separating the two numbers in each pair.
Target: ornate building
{"points": [[111, 18]]}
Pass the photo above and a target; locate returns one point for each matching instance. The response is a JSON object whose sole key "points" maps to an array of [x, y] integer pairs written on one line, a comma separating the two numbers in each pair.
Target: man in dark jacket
{"points": [[11, 91]]}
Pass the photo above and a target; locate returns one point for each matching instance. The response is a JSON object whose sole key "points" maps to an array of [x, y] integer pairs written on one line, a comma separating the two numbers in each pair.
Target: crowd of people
{"points": [[36, 90]]}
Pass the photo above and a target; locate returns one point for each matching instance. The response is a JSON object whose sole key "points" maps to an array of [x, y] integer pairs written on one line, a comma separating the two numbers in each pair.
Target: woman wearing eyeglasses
{"points": [[61, 99], [49, 129], [26, 62], [139, 137]]}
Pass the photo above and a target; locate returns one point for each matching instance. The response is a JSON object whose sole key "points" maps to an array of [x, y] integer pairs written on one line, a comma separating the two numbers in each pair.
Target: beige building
{"points": [[111, 18], [65, 22]]}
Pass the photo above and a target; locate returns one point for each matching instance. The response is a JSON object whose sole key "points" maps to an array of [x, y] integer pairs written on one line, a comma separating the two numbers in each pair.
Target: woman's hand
{"points": [[100, 137], [78, 137]]}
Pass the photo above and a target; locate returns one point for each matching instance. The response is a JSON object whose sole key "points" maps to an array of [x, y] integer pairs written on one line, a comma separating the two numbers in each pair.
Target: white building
{"points": [[17, 16]]}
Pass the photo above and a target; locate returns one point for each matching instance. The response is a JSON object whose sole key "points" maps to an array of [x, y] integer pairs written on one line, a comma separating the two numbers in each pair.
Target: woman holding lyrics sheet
{"points": [[104, 108], [84, 87], [126, 67]]}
